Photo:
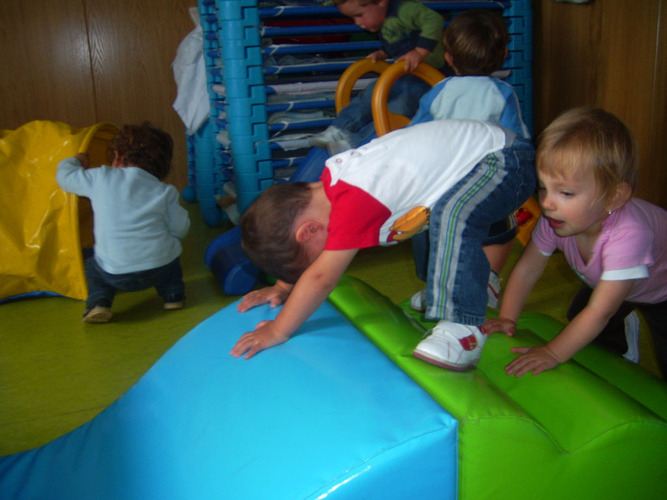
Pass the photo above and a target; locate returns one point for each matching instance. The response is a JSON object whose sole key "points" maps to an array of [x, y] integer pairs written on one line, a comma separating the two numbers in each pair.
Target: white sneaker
{"points": [[632, 337], [333, 139], [418, 301], [452, 346], [493, 290]]}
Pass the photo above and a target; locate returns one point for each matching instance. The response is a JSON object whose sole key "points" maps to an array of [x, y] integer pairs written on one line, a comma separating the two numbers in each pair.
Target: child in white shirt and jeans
{"points": [[455, 177]]}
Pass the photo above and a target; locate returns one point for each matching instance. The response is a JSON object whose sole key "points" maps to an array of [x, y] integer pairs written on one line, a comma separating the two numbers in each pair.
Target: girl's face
{"points": [[368, 17], [572, 205]]}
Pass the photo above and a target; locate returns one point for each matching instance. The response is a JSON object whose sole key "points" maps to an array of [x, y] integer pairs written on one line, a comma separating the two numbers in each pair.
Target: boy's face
{"points": [[368, 17]]}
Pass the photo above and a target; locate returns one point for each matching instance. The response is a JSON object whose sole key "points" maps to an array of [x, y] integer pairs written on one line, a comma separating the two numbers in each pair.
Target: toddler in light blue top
{"points": [[138, 221]]}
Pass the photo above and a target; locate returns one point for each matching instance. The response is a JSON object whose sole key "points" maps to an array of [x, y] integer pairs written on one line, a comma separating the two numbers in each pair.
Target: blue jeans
{"points": [[357, 117], [102, 286], [500, 232], [457, 268]]}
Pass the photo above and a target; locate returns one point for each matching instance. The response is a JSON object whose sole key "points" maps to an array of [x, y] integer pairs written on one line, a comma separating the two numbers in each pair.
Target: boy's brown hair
{"points": [[268, 230], [477, 42], [587, 138], [145, 146]]}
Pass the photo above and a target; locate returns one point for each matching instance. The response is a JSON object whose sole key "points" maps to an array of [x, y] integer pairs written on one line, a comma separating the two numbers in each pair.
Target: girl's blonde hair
{"points": [[584, 139]]}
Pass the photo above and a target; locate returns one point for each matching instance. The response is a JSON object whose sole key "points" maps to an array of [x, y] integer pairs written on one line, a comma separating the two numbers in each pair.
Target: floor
{"points": [[57, 373]]}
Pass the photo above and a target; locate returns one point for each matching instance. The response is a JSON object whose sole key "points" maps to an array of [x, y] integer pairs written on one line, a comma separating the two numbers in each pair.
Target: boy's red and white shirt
{"points": [[382, 193]]}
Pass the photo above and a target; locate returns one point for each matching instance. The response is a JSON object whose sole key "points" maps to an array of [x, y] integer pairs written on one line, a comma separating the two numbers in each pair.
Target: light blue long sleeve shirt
{"points": [[483, 98], [138, 221]]}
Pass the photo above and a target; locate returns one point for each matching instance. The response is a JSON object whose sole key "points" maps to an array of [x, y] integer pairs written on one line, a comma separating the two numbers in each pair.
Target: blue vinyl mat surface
{"points": [[325, 415]]}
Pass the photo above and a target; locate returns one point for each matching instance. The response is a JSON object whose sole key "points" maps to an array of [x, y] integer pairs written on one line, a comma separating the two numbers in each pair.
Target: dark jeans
{"points": [[500, 232], [613, 335], [102, 286], [357, 117]]}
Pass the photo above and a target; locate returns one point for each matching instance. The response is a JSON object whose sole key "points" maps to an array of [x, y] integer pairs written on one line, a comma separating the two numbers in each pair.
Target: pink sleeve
{"points": [[628, 246], [543, 237]]}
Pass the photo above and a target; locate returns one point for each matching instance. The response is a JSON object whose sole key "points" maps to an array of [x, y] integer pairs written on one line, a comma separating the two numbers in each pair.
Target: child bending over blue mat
{"points": [[617, 244], [138, 221], [455, 177], [409, 31]]}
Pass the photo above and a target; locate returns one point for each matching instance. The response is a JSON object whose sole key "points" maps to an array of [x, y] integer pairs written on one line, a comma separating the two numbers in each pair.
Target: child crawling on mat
{"points": [[456, 177], [138, 221], [617, 244]]}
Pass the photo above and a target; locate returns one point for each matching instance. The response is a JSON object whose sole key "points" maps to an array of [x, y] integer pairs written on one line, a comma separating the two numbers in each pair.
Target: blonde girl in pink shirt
{"points": [[587, 170]]}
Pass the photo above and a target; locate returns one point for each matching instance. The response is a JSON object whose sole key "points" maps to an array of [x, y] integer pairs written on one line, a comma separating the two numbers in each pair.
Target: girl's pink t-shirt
{"points": [[632, 245]]}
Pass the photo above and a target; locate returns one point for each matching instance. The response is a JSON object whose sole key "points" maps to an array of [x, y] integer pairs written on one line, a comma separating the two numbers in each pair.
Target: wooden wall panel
{"points": [[45, 63], [132, 50], [86, 61], [656, 163], [606, 54]]}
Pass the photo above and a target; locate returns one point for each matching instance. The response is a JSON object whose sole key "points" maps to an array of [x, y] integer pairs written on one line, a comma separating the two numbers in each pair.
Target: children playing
{"points": [[410, 32], [455, 176], [617, 244], [475, 47], [138, 222]]}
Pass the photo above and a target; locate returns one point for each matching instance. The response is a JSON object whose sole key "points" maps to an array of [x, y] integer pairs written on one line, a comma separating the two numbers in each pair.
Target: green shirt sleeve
{"points": [[415, 16]]}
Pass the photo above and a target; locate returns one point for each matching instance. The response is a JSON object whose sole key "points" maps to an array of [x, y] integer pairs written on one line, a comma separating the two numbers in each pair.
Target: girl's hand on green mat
{"points": [[272, 295], [263, 337], [532, 359], [504, 325]]}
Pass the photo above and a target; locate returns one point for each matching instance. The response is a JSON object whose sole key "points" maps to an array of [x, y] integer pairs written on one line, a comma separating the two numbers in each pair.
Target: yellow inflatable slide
{"points": [[43, 230]]}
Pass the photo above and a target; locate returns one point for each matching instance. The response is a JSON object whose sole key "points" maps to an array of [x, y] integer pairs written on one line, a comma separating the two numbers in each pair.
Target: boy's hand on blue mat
{"points": [[272, 295], [263, 337]]}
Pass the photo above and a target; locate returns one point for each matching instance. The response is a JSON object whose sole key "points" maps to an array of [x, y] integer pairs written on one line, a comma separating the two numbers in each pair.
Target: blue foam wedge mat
{"points": [[325, 415]]}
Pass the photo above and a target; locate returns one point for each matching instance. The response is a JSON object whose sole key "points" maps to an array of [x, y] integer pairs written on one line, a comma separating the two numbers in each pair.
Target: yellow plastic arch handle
{"points": [[385, 120], [350, 77]]}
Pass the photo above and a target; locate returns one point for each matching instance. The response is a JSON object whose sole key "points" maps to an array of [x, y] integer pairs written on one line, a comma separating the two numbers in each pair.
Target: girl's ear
{"points": [[620, 197]]}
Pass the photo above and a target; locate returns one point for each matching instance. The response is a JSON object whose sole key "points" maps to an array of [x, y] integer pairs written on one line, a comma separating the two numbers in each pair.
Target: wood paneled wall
{"points": [[84, 61], [87, 61], [610, 54]]}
